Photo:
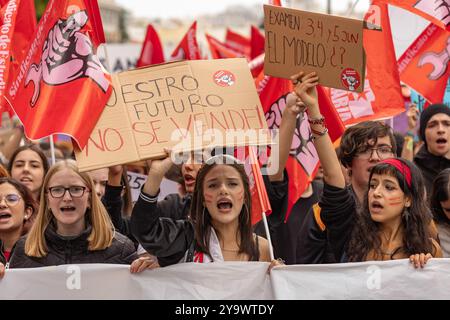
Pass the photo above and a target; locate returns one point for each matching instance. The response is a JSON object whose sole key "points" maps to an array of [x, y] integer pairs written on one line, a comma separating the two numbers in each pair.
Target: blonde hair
{"points": [[102, 232]]}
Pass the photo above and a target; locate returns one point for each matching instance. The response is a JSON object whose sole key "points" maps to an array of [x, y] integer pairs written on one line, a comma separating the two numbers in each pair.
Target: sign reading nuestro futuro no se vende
{"points": [[187, 105], [329, 45]]}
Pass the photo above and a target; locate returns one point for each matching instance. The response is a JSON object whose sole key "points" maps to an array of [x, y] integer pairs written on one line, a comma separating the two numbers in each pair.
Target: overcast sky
{"points": [[191, 8]]}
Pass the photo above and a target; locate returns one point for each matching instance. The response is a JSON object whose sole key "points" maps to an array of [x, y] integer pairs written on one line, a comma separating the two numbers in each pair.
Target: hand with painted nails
{"points": [[419, 259]]}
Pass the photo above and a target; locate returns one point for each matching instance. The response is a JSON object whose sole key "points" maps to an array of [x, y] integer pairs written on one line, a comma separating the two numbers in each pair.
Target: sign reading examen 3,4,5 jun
{"points": [[329, 45], [187, 105]]}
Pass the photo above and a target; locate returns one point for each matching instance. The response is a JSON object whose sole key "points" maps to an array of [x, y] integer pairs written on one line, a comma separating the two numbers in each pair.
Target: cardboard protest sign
{"points": [[329, 45], [186, 105]]}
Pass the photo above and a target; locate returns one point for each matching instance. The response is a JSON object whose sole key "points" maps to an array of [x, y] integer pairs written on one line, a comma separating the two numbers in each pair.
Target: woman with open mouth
{"points": [[219, 228], [72, 226], [16, 206], [394, 220]]}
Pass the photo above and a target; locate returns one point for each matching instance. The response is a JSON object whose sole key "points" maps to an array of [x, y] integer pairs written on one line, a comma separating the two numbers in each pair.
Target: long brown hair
{"points": [[415, 220], [202, 218], [102, 228]]}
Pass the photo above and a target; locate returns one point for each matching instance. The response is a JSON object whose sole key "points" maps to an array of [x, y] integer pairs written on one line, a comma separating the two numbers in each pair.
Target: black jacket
{"points": [[173, 206], [166, 238], [338, 212], [430, 165], [74, 250]]}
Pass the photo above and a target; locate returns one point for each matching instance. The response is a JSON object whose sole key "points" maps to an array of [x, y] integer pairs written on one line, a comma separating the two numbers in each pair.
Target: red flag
{"points": [[257, 42], [303, 163], [436, 11], [238, 43], [152, 50], [382, 96], [256, 65], [275, 2], [61, 87], [219, 50], [96, 33], [188, 48], [8, 16], [260, 199], [424, 65]]}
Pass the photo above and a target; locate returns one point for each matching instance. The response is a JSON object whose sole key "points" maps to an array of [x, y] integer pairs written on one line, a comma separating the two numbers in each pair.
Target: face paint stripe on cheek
{"points": [[208, 197], [396, 203]]}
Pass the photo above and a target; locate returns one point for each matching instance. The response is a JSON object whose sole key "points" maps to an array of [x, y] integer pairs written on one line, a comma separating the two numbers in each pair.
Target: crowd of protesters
{"points": [[379, 198]]}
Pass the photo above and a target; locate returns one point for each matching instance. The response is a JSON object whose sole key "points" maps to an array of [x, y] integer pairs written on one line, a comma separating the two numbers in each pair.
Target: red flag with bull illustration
{"points": [[382, 96], [188, 48], [424, 65], [61, 86], [303, 163], [436, 11], [152, 50]]}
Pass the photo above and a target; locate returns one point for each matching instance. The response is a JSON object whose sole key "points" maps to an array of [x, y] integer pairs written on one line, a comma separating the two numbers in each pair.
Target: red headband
{"points": [[400, 166]]}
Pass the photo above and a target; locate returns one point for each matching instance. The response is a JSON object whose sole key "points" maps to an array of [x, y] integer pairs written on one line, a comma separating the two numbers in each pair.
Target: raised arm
{"points": [[306, 89], [294, 107]]}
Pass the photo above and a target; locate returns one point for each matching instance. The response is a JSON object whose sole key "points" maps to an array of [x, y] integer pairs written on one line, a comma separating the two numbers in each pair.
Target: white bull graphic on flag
{"points": [[67, 55]]}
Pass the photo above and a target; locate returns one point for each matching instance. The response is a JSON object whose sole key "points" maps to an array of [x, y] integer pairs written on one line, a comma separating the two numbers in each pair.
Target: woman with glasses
{"points": [[72, 226], [16, 207], [394, 219]]}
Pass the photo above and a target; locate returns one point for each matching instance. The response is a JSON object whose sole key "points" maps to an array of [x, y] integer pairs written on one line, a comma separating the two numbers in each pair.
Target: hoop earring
{"points": [[406, 215]]}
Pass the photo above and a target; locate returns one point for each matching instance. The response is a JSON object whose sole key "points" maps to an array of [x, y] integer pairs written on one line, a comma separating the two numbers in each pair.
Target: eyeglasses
{"points": [[384, 152], [11, 200], [60, 191]]}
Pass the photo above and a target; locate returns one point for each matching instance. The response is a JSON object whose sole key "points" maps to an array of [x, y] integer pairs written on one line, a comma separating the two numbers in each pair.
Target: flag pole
{"points": [[266, 227], [52, 149], [254, 161]]}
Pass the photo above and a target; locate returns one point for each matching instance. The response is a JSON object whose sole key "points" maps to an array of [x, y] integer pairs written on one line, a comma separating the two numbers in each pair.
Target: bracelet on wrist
{"points": [[320, 120], [318, 134]]}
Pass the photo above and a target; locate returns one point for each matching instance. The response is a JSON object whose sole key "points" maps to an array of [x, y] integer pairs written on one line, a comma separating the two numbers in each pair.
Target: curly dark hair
{"points": [[354, 139], [416, 236], [440, 192], [202, 218]]}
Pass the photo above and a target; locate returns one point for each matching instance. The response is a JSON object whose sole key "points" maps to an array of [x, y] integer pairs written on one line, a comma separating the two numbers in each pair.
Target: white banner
{"points": [[233, 280], [396, 279]]}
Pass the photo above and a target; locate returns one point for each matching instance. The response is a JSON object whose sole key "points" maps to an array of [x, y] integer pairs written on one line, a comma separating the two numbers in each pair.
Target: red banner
{"points": [[424, 65], [61, 86], [436, 11]]}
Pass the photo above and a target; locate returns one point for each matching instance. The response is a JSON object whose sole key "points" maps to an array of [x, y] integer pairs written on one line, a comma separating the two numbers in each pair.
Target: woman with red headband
{"points": [[393, 222]]}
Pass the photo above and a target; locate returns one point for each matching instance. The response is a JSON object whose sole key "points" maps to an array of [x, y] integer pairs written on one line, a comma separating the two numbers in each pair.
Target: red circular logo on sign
{"points": [[224, 78], [350, 79]]}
